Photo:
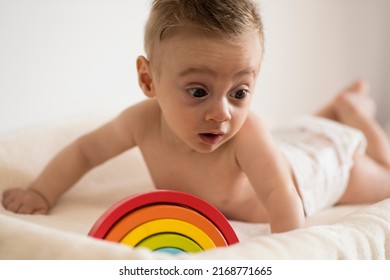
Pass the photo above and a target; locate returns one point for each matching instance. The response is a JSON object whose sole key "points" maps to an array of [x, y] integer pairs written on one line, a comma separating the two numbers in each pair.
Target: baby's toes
{"points": [[357, 87]]}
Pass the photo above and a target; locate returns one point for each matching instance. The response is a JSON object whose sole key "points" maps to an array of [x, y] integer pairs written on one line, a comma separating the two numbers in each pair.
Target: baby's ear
{"points": [[145, 76]]}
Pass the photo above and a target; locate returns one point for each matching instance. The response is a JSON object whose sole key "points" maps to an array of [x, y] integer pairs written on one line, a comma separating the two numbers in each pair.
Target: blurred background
{"points": [[64, 60]]}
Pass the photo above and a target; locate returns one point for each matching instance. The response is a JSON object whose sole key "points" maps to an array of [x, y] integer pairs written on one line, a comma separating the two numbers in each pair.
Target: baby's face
{"points": [[205, 86]]}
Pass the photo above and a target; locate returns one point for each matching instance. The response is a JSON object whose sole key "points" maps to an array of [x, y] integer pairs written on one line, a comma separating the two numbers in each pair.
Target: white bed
{"points": [[342, 232]]}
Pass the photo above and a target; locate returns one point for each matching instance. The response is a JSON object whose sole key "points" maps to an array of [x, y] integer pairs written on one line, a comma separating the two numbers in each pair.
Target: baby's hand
{"points": [[23, 201]]}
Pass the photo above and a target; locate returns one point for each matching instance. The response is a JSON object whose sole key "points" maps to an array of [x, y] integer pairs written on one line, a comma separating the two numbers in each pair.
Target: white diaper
{"points": [[321, 153]]}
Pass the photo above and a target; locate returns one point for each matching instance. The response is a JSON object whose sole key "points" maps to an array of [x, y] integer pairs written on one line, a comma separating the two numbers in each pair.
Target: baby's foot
{"points": [[354, 103]]}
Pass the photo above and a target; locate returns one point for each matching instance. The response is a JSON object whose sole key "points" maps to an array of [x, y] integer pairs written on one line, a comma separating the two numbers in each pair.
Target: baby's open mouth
{"points": [[211, 138]]}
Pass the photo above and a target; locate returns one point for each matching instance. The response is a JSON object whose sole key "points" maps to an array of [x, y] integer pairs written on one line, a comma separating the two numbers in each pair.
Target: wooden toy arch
{"points": [[166, 221]]}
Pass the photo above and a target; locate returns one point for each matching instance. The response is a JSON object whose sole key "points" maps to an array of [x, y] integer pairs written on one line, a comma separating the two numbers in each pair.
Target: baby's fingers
{"points": [[7, 194], [8, 198], [25, 209], [24, 202], [41, 211], [12, 206]]}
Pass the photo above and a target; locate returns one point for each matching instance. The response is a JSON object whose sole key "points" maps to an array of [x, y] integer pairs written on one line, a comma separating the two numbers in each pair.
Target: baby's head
{"points": [[203, 58], [225, 18]]}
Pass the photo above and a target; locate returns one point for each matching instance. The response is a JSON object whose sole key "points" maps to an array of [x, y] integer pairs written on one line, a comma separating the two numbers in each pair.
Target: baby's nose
{"points": [[219, 111]]}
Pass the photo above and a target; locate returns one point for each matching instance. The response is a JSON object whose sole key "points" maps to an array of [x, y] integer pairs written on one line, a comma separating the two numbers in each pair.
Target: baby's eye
{"points": [[197, 92], [239, 94]]}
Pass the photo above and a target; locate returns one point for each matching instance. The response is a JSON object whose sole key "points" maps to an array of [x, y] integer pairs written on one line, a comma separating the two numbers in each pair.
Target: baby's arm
{"points": [[69, 165], [268, 172]]}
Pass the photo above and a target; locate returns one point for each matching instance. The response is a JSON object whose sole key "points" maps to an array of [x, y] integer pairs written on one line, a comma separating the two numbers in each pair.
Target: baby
{"points": [[197, 134]]}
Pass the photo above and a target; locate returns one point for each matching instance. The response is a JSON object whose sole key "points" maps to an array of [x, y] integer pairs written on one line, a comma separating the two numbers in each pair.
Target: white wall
{"points": [[61, 60], [66, 59], [315, 47]]}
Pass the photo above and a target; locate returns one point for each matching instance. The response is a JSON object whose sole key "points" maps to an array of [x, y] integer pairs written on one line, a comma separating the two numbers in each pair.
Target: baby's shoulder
{"points": [[144, 112], [253, 124], [139, 118], [253, 133]]}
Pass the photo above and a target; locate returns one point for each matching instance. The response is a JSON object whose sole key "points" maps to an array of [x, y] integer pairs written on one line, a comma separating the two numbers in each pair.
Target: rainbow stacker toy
{"points": [[165, 221]]}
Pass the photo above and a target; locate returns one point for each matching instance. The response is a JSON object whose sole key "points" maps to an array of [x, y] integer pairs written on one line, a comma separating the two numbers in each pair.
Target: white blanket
{"points": [[342, 232]]}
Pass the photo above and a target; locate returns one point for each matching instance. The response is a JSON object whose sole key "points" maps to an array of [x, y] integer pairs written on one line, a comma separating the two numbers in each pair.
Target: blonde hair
{"points": [[228, 18]]}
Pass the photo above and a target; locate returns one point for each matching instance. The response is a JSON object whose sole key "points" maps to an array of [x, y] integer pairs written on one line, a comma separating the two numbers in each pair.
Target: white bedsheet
{"points": [[342, 232]]}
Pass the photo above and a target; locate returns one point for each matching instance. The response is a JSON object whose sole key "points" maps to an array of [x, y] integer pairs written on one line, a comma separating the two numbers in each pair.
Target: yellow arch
{"points": [[168, 225], [171, 240]]}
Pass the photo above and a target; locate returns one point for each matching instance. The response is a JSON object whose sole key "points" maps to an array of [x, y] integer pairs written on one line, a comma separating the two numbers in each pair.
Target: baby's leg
{"points": [[369, 182], [370, 175], [329, 112], [354, 107]]}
